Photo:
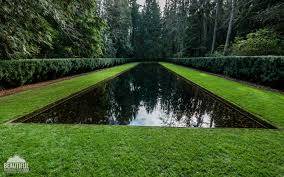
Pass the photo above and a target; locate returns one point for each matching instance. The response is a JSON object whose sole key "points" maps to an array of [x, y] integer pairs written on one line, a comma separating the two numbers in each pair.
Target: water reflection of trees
{"points": [[182, 103], [87, 108], [150, 86]]}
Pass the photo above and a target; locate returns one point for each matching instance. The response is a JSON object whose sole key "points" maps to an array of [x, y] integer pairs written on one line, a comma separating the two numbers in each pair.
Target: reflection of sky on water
{"points": [[153, 118], [148, 95], [159, 117]]}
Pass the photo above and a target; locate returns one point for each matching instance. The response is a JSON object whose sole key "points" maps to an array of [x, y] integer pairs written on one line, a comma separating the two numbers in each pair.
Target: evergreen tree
{"points": [[151, 30], [49, 28], [136, 33], [117, 38], [121, 28]]}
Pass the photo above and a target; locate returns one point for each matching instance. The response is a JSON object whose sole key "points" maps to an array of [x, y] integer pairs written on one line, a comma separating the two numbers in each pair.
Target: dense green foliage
{"points": [[132, 30], [137, 33], [151, 30], [262, 70], [199, 27], [186, 28], [124, 28], [49, 28], [117, 15], [262, 42], [19, 72]]}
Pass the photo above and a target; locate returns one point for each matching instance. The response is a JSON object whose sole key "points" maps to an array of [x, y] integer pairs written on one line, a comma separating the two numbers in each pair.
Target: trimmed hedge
{"points": [[265, 70], [15, 73]]}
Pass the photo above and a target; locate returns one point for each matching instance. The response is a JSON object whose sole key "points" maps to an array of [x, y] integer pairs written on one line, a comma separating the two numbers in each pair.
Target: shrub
{"points": [[262, 42], [15, 73], [217, 53], [266, 70]]}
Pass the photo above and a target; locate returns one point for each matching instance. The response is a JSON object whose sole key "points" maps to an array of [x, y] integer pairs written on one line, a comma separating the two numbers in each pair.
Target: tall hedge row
{"points": [[15, 73], [265, 70]]}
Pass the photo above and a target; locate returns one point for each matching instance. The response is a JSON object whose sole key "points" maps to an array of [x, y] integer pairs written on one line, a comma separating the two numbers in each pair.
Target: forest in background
{"points": [[123, 28]]}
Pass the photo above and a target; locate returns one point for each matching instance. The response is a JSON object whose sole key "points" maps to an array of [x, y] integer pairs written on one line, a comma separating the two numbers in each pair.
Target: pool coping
{"points": [[228, 103], [25, 117]]}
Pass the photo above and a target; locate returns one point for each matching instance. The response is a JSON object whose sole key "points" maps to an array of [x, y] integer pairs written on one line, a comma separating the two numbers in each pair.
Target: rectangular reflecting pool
{"points": [[148, 95]]}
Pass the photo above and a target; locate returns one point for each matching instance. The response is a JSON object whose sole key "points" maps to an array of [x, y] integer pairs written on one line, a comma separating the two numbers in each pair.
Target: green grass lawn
{"points": [[265, 104], [26, 102], [82, 150], [94, 150]]}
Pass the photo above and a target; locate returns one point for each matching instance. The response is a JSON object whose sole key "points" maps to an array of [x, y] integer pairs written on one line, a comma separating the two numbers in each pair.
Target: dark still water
{"points": [[147, 95]]}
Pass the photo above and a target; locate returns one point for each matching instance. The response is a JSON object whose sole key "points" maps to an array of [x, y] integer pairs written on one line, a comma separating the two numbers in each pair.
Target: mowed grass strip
{"points": [[267, 105], [87, 150], [26, 102]]}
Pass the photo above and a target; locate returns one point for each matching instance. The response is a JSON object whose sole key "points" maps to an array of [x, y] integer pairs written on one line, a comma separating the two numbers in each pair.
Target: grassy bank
{"points": [[81, 150], [265, 104], [94, 150], [265, 70], [26, 102]]}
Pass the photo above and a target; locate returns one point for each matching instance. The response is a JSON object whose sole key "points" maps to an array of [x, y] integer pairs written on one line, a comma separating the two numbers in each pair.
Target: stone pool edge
{"points": [[257, 118]]}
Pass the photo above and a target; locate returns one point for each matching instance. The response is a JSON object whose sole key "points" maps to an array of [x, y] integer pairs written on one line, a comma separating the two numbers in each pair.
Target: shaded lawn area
{"points": [[26, 102], [265, 104], [83, 150]]}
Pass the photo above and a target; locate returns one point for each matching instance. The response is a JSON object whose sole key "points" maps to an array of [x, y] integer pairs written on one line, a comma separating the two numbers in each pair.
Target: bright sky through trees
{"points": [[161, 2]]}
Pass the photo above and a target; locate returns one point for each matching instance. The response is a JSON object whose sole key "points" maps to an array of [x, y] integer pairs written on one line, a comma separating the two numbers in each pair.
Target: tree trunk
{"points": [[205, 26], [218, 4], [230, 27], [204, 41]]}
